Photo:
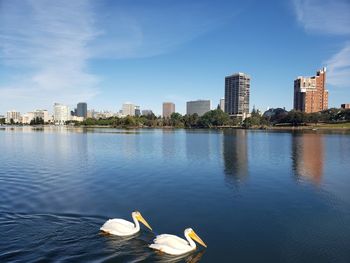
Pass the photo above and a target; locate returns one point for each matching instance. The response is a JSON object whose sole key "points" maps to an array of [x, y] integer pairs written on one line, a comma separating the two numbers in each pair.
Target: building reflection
{"points": [[235, 155], [308, 156]]}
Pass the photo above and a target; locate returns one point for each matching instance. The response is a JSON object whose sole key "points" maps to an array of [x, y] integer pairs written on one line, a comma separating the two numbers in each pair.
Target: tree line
{"points": [[218, 118]]}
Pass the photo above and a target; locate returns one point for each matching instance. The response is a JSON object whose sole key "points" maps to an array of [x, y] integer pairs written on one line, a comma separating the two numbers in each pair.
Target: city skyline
{"points": [[49, 57]]}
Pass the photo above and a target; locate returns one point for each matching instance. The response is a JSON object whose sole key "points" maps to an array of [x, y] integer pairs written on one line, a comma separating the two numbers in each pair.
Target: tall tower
{"points": [[168, 109], [82, 109], [310, 94], [237, 93]]}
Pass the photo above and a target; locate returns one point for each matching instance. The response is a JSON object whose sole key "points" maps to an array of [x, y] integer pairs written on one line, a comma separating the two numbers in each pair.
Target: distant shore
{"points": [[319, 126]]}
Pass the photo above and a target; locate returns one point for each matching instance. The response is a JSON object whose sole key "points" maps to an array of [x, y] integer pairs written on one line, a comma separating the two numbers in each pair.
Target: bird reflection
{"points": [[308, 155], [235, 155], [188, 258]]}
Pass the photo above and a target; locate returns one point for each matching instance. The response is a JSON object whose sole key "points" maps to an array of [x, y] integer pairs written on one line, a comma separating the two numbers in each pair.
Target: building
{"points": [[310, 94], [198, 106], [345, 106], [128, 109], [168, 109], [222, 104], [61, 114], [147, 112], [81, 110], [13, 115], [27, 117], [42, 114], [237, 93], [137, 111]]}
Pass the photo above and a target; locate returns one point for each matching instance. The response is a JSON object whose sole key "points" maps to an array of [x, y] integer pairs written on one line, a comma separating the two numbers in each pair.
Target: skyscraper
{"points": [[128, 109], [168, 109], [82, 109], [310, 94], [61, 113], [198, 106], [222, 104], [237, 92]]}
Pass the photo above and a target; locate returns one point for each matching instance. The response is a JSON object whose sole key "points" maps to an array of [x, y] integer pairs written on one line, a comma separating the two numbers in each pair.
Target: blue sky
{"points": [[147, 51]]}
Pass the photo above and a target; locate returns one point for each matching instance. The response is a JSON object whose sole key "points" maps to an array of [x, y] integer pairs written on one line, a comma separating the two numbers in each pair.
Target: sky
{"points": [[108, 52]]}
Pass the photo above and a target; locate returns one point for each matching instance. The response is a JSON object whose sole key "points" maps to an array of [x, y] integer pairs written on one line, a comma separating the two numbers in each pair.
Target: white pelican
{"points": [[175, 245], [121, 227]]}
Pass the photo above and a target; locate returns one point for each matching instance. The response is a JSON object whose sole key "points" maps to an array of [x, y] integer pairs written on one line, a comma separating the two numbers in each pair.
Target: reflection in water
{"points": [[235, 154], [193, 257], [197, 146], [308, 151]]}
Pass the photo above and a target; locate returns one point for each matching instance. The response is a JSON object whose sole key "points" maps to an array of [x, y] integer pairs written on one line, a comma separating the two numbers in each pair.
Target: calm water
{"points": [[252, 196]]}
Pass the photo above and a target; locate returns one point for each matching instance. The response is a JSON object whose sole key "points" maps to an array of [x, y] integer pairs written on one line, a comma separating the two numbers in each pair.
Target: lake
{"points": [[252, 196]]}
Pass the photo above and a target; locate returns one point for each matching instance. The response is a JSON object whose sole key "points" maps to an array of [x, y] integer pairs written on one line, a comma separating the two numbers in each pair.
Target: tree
{"points": [[214, 118]]}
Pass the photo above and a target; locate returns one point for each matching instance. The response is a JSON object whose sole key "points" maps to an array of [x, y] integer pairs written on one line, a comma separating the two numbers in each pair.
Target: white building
{"points": [[128, 109], [13, 115], [222, 104], [27, 117], [61, 114], [43, 114]]}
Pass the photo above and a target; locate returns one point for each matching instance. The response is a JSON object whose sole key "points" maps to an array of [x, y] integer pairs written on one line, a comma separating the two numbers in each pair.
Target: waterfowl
{"points": [[121, 227], [174, 245]]}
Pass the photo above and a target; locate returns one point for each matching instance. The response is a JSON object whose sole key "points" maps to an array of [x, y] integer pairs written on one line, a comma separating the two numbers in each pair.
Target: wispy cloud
{"points": [[339, 67], [329, 17], [46, 43], [324, 16]]}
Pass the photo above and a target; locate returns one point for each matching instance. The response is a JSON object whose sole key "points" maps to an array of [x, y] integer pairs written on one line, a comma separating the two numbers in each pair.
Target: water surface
{"points": [[252, 196]]}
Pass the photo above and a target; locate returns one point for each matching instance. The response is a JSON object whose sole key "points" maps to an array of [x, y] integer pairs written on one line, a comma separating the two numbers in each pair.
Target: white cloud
{"points": [[339, 68], [45, 44], [329, 17], [324, 16]]}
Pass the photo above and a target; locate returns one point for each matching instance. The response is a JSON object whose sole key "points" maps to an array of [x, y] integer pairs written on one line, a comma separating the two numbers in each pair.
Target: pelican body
{"points": [[174, 245], [121, 227]]}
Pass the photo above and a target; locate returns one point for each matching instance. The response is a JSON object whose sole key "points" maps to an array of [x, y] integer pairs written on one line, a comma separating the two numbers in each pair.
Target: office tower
{"points": [[237, 92], [13, 115], [61, 113], [310, 94], [198, 106], [137, 111], [168, 109], [81, 109], [222, 104], [128, 109]]}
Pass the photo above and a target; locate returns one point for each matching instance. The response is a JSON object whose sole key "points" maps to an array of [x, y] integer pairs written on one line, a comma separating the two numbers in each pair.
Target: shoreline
{"points": [[335, 126]]}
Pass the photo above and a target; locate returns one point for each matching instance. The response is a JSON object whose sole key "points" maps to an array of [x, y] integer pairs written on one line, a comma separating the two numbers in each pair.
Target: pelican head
{"points": [[190, 232], [138, 216]]}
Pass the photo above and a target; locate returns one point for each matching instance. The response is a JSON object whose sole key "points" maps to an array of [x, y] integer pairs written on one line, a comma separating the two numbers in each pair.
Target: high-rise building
{"points": [[222, 104], [61, 113], [81, 109], [13, 115], [137, 111], [168, 109], [237, 93], [310, 94], [128, 109], [198, 106], [345, 106]]}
